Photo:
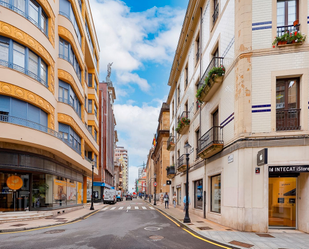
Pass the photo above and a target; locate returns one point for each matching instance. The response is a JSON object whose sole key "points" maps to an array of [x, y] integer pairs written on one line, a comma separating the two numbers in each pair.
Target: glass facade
{"points": [[216, 194], [198, 194]]}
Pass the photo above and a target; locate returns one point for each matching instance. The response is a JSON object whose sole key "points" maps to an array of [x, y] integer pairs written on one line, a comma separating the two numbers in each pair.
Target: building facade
{"points": [[122, 153], [234, 93], [160, 154], [105, 178], [150, 177], [49, 61]]}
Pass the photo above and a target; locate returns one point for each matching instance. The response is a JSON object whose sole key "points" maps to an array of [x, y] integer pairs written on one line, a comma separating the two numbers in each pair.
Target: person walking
{"points": [[184, 202], [174, 200], [166, 199]]}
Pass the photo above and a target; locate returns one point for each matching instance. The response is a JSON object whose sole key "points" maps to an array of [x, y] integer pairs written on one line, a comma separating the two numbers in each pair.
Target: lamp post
{"points": [[187, 218], [91, 207], [155, 188]]}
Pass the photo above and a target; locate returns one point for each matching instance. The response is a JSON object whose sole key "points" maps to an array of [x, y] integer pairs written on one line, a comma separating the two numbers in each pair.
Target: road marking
{"points": [[113, 208], [144, 207], [167, 217], [105, 208], [151, 207], [136, 207], [121, 208], [129, 207]]}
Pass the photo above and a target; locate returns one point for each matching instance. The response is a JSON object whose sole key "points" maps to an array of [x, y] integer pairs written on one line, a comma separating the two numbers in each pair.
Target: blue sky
{"points": [[140, 38]]}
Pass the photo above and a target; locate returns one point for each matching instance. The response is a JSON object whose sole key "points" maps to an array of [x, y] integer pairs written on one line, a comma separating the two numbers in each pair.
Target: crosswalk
{"points": [[111, 208]]}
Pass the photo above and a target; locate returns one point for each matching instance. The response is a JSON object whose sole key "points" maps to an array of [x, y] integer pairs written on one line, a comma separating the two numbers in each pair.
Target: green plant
{"points": [[168, 167], [290, 37], [182, 122], [212, 75]]}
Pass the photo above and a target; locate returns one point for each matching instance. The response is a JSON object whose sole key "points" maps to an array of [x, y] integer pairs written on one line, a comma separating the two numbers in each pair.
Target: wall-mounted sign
{"points": [[230, 158], [168, 182], [14, 182], [257, 170], [262, 156], [178, 186], [288, 169]]}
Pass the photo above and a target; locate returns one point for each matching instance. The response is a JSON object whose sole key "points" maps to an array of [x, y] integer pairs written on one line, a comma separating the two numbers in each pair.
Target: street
{"points": [[127, 224]]}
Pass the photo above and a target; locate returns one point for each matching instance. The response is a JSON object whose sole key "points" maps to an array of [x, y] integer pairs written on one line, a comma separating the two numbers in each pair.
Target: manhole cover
{"points": [[205, 228], [55, 231], [152, 228], [265, 235], [156, 237]]}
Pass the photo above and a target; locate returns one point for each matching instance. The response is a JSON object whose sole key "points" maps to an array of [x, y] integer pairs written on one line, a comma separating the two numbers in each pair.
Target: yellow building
{"points": [[49, 62], [160, 155]]}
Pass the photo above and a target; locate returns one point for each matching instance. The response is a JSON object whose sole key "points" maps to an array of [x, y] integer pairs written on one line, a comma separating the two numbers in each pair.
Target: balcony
{"points": [[211, 80], [171, 143], [170, 172], [181, 163], [288, 119], [289, 35], [210, 143], [183, 123]]}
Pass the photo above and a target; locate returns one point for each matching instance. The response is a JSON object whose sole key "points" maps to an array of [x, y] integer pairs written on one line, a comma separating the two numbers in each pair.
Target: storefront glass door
{"points": [[282, 202]]}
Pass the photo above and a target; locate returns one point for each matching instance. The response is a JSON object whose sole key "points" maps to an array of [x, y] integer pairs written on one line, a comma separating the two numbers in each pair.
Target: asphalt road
{"points": [[128, 224]]}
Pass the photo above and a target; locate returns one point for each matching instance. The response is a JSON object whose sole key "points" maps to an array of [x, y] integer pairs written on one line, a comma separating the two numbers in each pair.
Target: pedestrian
{"points": [[174, 200], [184, 202], [166, 200]]}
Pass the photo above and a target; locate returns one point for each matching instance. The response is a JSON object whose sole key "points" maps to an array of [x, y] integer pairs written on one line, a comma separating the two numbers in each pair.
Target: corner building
{"points": [[260, 100], [49, 61]]}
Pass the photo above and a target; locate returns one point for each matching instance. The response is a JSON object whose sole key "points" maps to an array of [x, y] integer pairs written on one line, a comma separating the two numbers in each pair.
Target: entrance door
{"points": [[282, 202]]}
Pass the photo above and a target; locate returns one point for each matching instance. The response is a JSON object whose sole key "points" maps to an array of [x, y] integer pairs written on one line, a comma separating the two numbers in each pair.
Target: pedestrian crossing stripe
{"points": [[121, 208], [136, 207], [144, 207], [129, 207], [151, 207], [113, 208], [105, 208]]}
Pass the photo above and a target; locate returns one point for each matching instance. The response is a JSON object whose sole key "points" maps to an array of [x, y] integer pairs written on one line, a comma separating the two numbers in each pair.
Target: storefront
{"points": [[283, 195], [198, 194], [29, 182]]}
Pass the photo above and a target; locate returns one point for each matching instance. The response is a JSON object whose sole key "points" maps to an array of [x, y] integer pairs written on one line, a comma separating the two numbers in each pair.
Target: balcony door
{"points": [[287, 12], [215, 124], [287, 104]]}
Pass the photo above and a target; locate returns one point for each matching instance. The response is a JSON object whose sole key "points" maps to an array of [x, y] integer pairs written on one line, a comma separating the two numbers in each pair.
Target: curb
{"points": [[183, 225], [51, 225]]}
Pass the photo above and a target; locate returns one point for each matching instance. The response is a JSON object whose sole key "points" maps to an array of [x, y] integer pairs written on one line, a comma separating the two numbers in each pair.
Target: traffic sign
{"points": [[155, 184]]}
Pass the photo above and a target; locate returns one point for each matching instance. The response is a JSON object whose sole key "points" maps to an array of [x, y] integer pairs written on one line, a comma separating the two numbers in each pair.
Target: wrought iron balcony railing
{"points": [[215, 14], [181, 161], [288, 119], [215, 62], [170, 171], [185, 114], [39, 127], [213, 136], [281, 30]]}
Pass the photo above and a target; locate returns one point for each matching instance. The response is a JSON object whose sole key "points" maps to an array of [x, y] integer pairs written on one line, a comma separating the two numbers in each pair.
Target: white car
{"points": [[109, 196]]}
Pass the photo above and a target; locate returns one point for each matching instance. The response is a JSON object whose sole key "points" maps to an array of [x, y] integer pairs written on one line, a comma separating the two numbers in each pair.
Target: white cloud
{"points": [[130, 39]]}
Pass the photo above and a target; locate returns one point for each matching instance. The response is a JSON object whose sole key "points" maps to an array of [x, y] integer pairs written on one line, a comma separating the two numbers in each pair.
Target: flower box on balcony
{"points": [[171, 146], [183, 125], [170, 172], [284, 44], [182, 168], [209, 89]]}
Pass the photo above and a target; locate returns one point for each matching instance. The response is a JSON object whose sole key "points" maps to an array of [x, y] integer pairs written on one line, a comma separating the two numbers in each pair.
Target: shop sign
{"points": [[288, 169], [262, 157], [14, 182], [230, 158], [178, 186]]}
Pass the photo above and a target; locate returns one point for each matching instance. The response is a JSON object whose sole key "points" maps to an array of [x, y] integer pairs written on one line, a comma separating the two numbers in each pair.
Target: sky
{"points": [[140, 38]]}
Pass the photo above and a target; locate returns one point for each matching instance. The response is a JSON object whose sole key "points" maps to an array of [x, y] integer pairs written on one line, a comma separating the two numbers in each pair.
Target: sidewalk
{"points": [[274, 239], [50, 221]]}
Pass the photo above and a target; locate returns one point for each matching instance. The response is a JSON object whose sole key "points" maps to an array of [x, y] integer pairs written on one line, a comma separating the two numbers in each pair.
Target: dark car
{"points": [[128, 197]]}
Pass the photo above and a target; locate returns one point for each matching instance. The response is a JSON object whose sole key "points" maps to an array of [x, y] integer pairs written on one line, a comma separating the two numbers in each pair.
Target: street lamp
{"points": [[187, 218], [91, 207], [155, 199]]}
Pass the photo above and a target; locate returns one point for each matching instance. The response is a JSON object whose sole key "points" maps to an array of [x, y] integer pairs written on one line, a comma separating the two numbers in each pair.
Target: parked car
{"points": [[109, 196], [128, 197]]}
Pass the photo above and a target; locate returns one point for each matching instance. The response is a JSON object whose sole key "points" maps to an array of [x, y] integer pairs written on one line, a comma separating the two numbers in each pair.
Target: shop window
{"points": [[287, 104], [71, 192], [60, 192], [216, 194], [198, 194]]}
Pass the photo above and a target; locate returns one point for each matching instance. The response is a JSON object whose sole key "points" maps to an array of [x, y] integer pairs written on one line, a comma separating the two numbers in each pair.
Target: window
{"points": [[287, 12], [197, 137], [68, 133], [22, 59], [216, 194], [186, 76], [198, 104], [173, 112], [178, 95], [197, 48], [65, 9], [66, 52], [216, 11], [68, 96], [95, 135], [88, 35], [30, 10], [90, 128], [287, 104], [198, 194], [90, 80], [95, 85], [89, 105], [216, 55], [95, 110]]}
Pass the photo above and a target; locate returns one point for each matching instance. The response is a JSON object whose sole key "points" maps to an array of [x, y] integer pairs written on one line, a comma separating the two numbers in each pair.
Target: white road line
{"points": [[113, 208], [120, 208], [144, 207], [105, 208], [136, 207], [129, 207], [151, 207]]}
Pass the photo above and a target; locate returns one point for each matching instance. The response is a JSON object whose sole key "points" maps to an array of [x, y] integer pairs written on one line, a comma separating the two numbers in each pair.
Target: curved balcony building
{"points": [[49, 60]]}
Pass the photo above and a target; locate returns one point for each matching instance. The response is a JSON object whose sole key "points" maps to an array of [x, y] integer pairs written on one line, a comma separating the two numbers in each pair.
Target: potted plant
{"points": [[181, 123], [289, 38]]}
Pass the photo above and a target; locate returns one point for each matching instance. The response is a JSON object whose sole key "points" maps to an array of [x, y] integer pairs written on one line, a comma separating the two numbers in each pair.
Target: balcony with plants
{"points": [[170, 171], [181, 163], [183, 123], [289, 35], [171, 143], [211, 142], [211, 80]]}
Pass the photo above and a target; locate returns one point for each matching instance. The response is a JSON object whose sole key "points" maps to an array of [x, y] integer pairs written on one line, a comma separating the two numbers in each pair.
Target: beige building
{"points": [[49, 61], [160, 154], [254, 95], [150, 177]]}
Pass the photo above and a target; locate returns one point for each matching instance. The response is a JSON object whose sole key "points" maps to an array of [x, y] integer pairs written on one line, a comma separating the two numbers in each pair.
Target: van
{"points": [[109, 196], [119, 195]]}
